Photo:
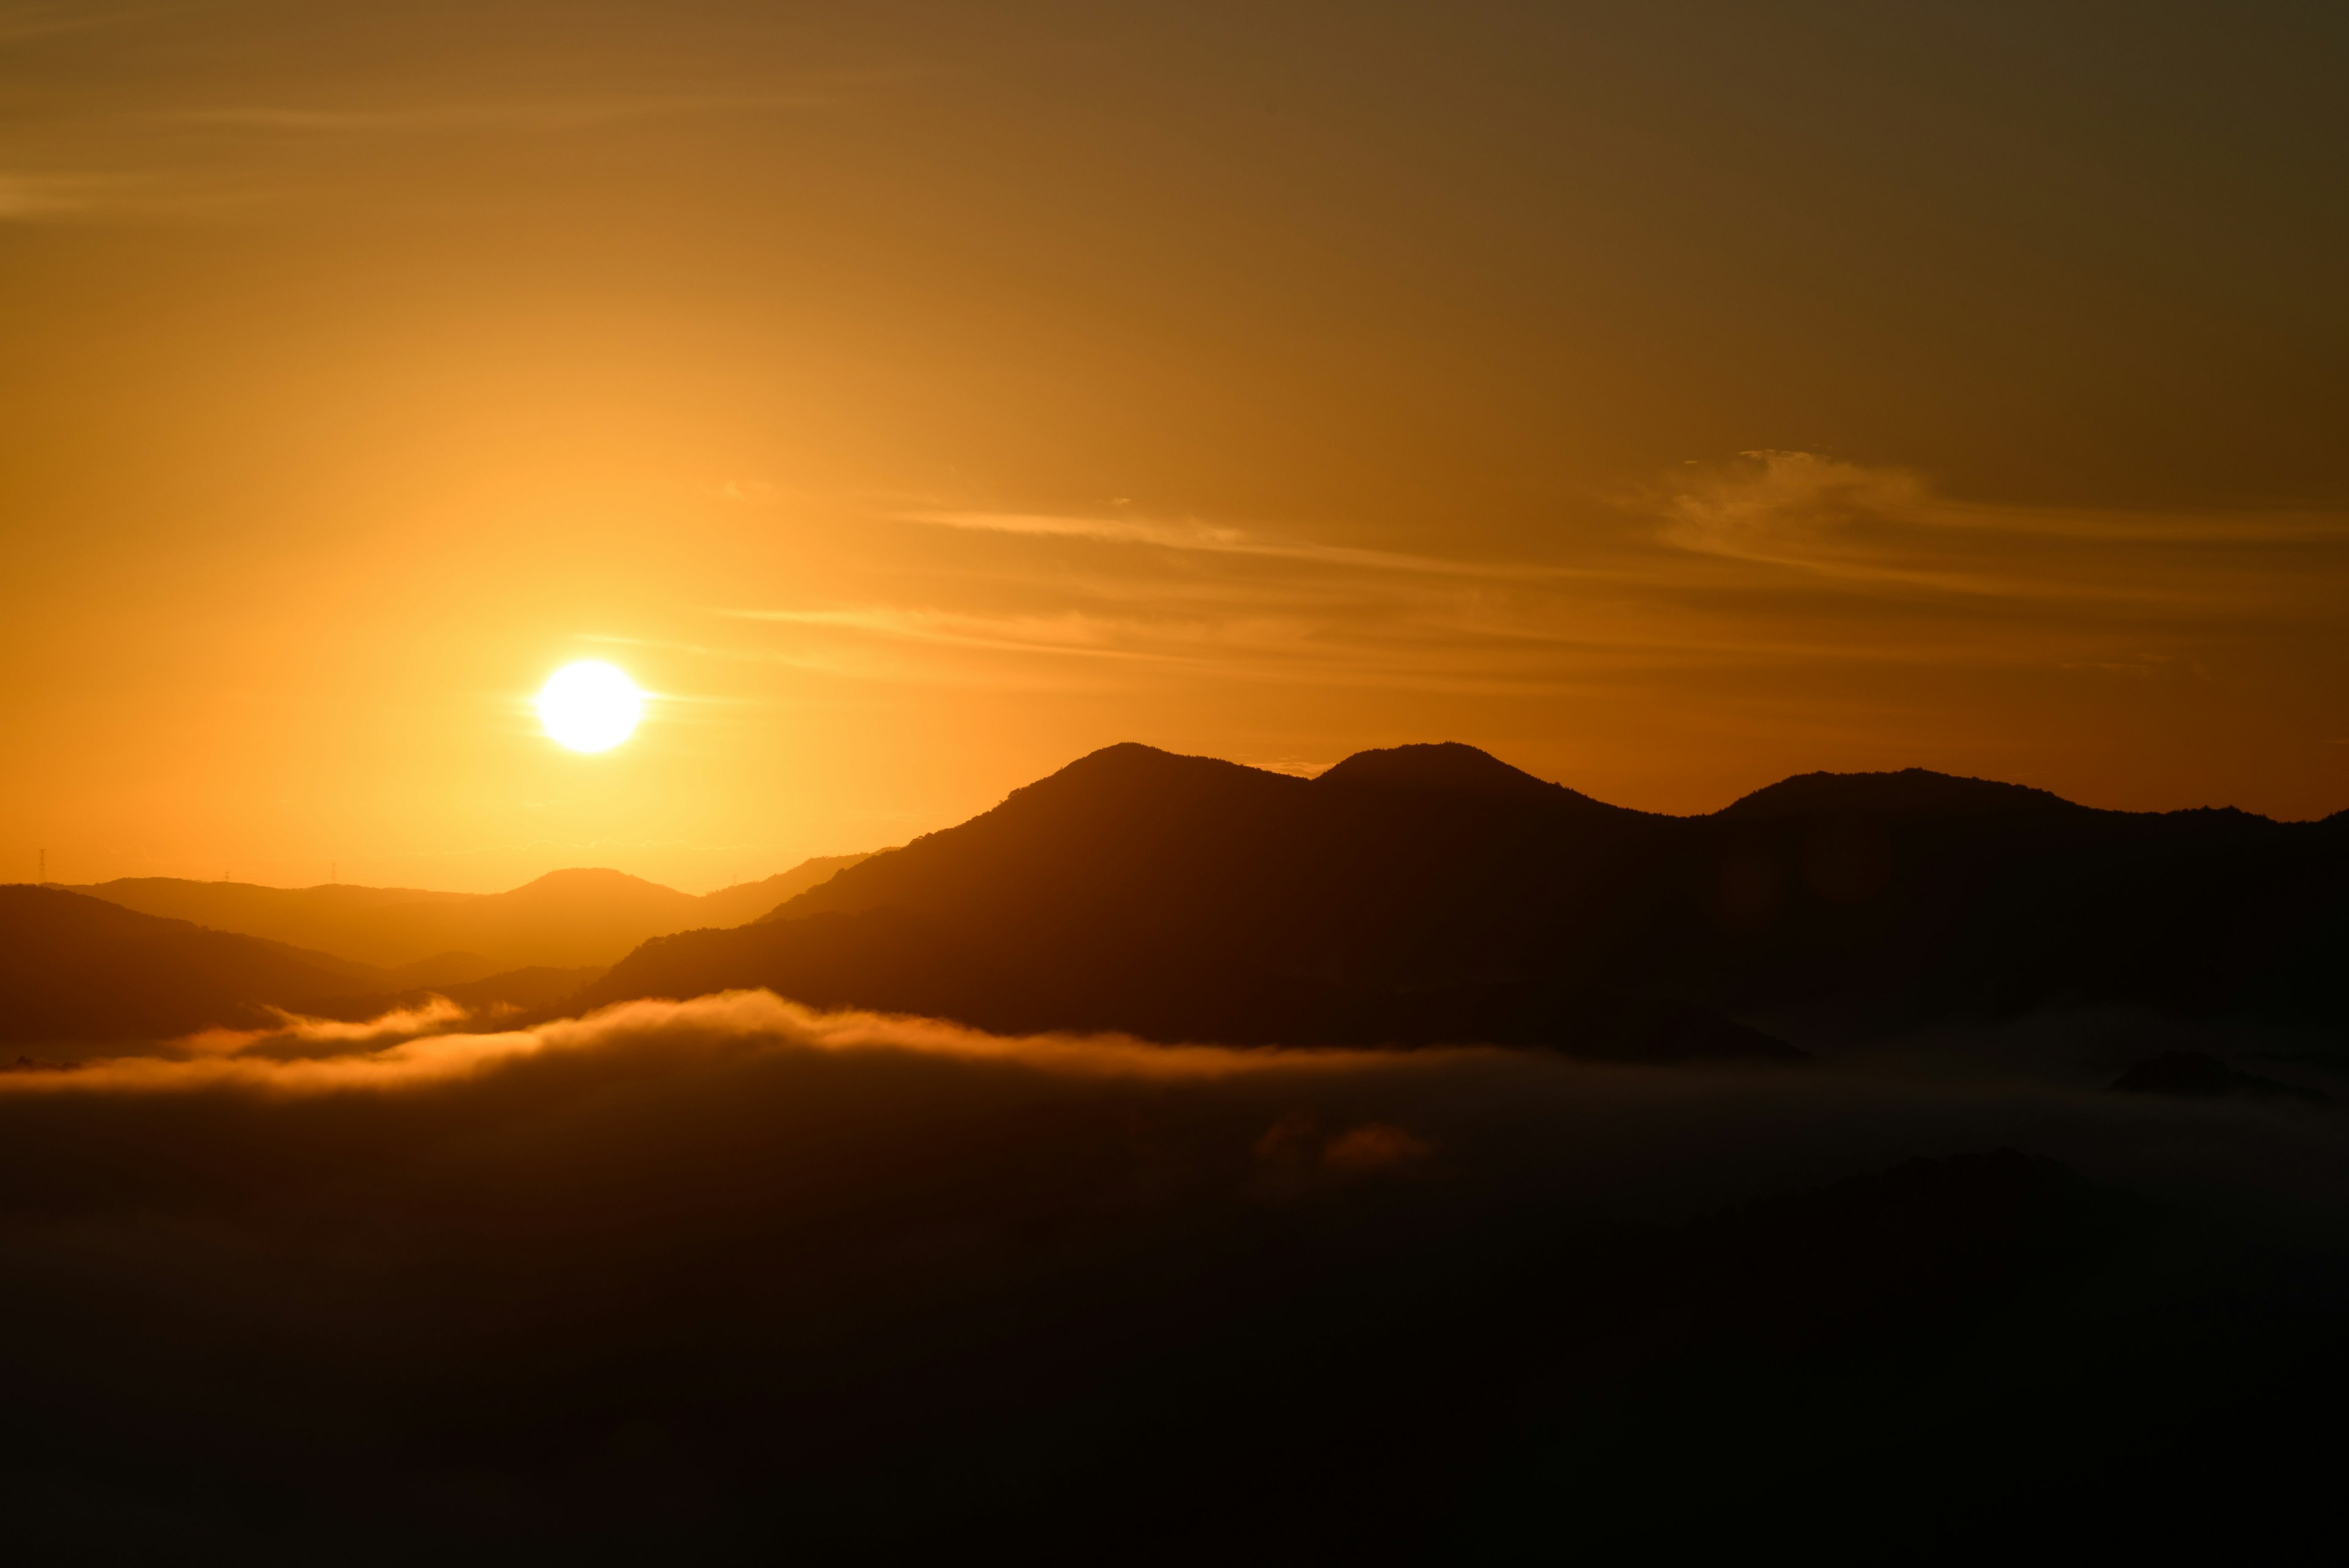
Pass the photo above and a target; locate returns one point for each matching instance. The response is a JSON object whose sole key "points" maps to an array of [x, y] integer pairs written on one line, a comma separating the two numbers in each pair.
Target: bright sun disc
{"points": [[590, 706]]}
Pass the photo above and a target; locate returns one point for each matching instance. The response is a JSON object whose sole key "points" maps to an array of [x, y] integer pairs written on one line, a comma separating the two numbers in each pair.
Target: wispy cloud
{"points": [[1778, 557], [1214, 539], [1545, 648], [1887, 528], [20, 24], [37, 198], [522, 114], [1296, 648], [143, 132], [1070, 633], [117, 196]]}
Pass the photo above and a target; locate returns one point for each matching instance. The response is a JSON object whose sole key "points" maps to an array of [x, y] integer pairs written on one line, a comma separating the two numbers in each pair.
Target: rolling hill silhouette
{"points": [[77, 970], [1417, 895], [1434, 893], [80, 969], [565, 919]]}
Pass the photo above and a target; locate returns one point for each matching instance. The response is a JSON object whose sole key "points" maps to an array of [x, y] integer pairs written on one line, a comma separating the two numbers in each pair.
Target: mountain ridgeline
{"points": [[1421, 895], [78, 969], [156, 957], [1432, 893], [579, 918]]}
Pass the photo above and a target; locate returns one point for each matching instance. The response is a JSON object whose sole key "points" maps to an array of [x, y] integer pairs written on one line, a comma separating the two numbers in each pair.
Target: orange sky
{"points": [[1667, 397]]}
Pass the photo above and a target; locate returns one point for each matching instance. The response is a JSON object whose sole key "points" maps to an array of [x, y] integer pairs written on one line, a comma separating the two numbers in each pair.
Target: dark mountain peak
{"points": [[2229, 815], [1095, 826], [1444, 767], [1133, 760], [1911, 792], [1131, 772], [1126, 755]]}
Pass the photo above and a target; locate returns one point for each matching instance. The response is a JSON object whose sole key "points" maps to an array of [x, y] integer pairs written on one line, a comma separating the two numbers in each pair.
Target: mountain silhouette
{"points": [[1434, 893], [565, 919], [80, 969], [1911, 792], [75, 969], [1183, 897], [1445, 767], [1414, 894]]}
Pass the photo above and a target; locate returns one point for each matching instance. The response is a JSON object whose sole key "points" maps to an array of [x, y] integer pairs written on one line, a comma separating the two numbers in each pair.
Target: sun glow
{"points": [[590, 706]]}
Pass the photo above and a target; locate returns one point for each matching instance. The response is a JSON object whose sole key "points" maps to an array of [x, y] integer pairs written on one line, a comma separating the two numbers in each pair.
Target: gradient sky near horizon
{"points": [[1665, 397]]}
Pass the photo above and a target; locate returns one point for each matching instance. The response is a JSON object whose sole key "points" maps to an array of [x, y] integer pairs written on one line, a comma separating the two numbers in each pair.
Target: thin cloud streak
{"points": [[25, 23], [90, 148], [1868, 530], [1885, 526], [1404, 649], [551, 115], [1745, 573], [151, 195], [37, 198], [1301, 653], [1069, 634], [1213, 540]]}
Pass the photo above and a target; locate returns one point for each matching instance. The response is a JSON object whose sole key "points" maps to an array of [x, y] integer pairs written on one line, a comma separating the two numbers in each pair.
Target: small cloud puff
{"points": [[1373, 1146], [1786, 506], [1294, 1143]]}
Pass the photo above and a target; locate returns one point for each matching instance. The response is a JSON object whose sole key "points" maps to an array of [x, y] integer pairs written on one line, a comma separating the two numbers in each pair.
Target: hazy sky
{"points": [[1664, 397]]}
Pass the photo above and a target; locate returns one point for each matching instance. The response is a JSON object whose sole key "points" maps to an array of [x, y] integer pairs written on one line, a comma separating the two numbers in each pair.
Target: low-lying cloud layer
{"points": [[1699, 1136], [727, 1274]]}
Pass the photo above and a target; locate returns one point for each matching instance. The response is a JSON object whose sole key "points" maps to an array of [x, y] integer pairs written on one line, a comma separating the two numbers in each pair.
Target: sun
{"points": [[590, 706]]}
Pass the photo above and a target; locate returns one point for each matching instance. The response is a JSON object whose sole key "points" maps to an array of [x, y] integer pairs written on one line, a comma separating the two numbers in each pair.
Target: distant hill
{"points": [[1434, 893], [1912, 791], [565, 919]]}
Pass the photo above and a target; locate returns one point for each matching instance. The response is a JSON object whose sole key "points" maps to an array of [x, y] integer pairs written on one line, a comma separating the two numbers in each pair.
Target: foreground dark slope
{"points": [[1432, 893]]}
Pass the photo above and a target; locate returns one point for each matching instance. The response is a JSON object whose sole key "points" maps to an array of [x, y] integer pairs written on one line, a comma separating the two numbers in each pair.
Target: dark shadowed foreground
{"points": [[728, 1280]]}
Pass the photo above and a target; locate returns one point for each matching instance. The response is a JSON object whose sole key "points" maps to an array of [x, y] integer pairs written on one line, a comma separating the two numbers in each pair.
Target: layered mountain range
{"points": [[1418, 895], [572, 918], [149, 957], [77, 968], [1434, 893]]}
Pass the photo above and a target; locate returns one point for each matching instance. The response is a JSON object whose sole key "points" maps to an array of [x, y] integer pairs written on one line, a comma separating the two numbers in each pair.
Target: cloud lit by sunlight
{"points": [[417, 1046]]}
